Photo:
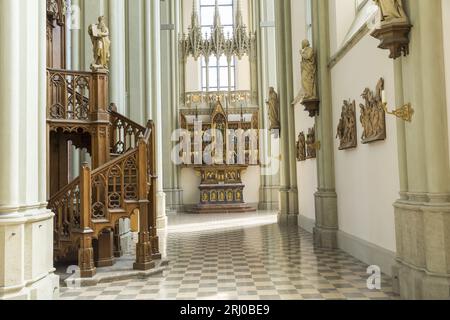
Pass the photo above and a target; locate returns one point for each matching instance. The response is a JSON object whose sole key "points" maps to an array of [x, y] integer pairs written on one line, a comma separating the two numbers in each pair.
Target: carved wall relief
{"points": [[301, 147], [311, 145], [373, 117], [347, 131]]}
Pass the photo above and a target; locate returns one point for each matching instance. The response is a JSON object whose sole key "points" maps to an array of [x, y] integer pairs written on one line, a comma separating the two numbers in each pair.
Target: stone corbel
{"points": [[311, 106], [394, 37]]}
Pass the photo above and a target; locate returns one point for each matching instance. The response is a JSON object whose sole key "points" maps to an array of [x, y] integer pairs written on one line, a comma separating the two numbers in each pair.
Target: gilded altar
{"points": [[221, 190], [223, 143]]}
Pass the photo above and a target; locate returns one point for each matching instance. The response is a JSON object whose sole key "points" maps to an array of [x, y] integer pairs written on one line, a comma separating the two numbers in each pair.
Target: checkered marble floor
{"points": [[266, 262]]}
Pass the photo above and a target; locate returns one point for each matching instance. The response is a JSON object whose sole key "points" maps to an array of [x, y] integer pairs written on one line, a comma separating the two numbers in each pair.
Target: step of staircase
{"points": [[121, 270]]}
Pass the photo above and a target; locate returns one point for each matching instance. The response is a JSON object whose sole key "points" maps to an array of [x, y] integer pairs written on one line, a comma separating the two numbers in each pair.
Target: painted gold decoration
{"points": [[405, 113]]}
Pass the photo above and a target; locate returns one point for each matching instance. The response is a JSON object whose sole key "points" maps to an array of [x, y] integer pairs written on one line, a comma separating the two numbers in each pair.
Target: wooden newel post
{"points": [[86, 252], [100, 116], [143, 247], [152, 194]]}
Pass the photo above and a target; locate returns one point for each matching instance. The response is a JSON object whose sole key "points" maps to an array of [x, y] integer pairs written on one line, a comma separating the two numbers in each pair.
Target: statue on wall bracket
{"points": [[373, 116], [394, 28], [273, 104], [347, 130], [308, 93]]}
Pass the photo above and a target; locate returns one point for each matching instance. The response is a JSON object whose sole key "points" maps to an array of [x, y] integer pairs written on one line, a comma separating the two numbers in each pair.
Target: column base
{"points": [[46, 288], [174, 200], [325, 238], [144, 266], [288, 213], [269, 198], [26, 254], [422, 247], [325, 231], [414, 284], [161, 219]]}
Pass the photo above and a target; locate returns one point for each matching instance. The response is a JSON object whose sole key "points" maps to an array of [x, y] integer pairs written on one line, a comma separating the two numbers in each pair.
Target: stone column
{"points": [[264, 24], [422, 213], [170, 28], [26, 226], [153, 98], [117, 85], [325, 231], [288, 189]]}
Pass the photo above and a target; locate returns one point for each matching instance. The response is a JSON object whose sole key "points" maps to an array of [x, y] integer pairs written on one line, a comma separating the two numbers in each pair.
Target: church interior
{"points": [[225, 150]]}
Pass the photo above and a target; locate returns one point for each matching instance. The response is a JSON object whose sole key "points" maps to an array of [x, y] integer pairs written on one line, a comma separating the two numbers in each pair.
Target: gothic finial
{"points": [[195, 22], [239, 17], [217, 20]]}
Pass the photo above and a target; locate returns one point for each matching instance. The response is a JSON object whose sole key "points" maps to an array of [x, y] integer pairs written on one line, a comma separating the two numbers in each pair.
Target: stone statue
{"points": [[392, 11], [274, 110], [52, 8], [373, 117], [309, 68], [311, 144], [301, 147], [99, 34], [346, 131]]}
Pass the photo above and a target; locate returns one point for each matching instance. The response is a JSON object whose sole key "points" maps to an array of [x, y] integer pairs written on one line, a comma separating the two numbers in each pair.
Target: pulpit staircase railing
{"points": [[120, 188]]}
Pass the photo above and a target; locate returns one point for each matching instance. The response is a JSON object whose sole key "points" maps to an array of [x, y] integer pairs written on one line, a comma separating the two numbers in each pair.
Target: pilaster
{"points": [[325, 232], [264, 25], [26, 226], [422, 214], [288, 192], [117, 85], [170, 90]]}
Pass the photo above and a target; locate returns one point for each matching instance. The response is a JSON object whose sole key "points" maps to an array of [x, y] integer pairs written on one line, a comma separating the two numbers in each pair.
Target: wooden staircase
{"points": [[120, 184]]}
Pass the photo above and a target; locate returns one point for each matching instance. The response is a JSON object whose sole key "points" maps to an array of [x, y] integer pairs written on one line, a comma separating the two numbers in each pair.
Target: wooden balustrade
{"points": [[124, 132], [98, 199], [70, 95]]}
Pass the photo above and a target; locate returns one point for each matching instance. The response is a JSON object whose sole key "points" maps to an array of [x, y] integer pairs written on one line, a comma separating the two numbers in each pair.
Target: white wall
{"points": [[367, 180], [342, 15], [307, 170]]}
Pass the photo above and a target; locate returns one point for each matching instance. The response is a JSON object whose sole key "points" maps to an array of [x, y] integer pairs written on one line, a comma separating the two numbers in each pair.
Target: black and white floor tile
{"points": [[265, 262]]}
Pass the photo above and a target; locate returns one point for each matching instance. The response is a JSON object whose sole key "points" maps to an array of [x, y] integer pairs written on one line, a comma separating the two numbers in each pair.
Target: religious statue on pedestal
{"points": [[309, 68], [392, 11], [274, 110], [99, 34], [308, 92]]}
